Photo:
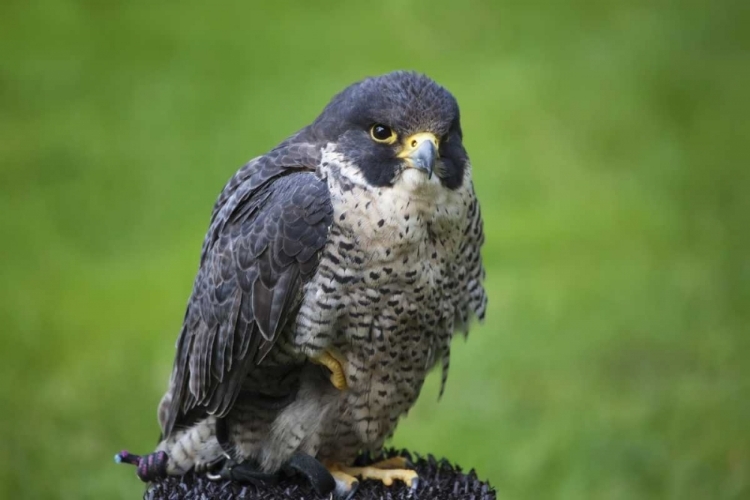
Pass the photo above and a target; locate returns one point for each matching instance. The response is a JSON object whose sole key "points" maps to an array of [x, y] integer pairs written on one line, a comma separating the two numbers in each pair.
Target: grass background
{"points": [[610, 151]]}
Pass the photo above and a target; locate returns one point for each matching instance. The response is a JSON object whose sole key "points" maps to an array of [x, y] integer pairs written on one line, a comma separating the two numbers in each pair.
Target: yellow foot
{"points": [[344, 482], [385, 471], [335, 363], [386, 476]]}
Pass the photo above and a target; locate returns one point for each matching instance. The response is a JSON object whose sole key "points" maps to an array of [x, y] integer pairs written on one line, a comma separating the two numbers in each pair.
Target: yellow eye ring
{"points": [[382, 134]]}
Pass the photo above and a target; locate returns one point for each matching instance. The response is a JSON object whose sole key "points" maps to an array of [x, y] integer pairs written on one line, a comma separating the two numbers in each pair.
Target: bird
{"points": [[335, 272]]}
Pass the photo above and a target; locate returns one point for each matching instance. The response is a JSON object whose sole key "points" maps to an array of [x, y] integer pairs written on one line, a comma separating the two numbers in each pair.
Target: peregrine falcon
{"points": [[335, 271]]}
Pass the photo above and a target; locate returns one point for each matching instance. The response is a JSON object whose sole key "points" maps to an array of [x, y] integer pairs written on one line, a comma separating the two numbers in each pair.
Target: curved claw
{"points": [[346, 485], [214, 477], [226, 469], [414, 484]]}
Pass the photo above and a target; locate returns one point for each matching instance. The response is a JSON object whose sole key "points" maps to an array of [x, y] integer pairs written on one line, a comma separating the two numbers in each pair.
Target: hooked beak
{"points": [[420, 152]]}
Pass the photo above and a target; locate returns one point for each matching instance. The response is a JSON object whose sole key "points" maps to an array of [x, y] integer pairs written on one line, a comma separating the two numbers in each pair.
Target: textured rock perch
{"points": [[439, 480]]}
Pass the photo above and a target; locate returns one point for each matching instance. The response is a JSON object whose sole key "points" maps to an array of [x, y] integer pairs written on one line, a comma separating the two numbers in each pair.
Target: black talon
{"points": [[248, 473], [315, 472], [245, 472], [148, 467]]}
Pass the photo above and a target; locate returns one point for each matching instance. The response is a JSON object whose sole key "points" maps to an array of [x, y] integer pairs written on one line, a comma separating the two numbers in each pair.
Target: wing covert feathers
{"points": [[267, 228]]}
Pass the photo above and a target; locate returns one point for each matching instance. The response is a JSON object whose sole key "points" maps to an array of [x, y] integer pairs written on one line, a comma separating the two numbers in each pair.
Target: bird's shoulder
{"points": [[248, 187]]}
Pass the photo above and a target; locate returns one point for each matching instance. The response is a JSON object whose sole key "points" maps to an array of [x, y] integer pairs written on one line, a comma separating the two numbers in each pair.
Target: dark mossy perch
{"points": [[438, 479]]}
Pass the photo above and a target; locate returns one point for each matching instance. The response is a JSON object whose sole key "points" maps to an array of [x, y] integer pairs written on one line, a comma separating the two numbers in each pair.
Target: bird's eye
{"points": [[381, 133]]}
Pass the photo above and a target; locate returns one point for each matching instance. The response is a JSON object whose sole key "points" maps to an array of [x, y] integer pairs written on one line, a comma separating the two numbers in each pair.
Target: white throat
{"points": [[402, 213]]}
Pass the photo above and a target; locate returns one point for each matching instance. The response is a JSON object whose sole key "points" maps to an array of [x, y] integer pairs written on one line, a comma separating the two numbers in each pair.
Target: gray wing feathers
{"points": [[266, 231]]}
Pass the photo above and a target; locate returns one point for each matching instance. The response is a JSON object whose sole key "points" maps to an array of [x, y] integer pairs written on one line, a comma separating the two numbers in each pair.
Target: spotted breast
{"points": [[400, 273]]}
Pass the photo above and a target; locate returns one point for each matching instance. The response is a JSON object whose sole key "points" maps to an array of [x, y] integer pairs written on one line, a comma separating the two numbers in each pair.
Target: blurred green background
{"points": [[610, 151]]}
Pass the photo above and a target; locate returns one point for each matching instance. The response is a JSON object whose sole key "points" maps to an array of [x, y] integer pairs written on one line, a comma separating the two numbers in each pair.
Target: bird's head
{"points": [[399, 127]]}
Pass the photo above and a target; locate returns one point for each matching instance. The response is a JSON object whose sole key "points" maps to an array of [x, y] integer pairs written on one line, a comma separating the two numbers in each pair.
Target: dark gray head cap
{"points": [[406, 101]]}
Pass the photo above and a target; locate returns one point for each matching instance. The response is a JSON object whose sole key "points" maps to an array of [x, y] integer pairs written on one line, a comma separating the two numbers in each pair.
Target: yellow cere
{"points": [[412, 142]]}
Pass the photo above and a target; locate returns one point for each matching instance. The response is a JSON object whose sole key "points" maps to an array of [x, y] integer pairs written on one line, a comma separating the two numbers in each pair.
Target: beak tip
{"points": [[423, 158]]}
